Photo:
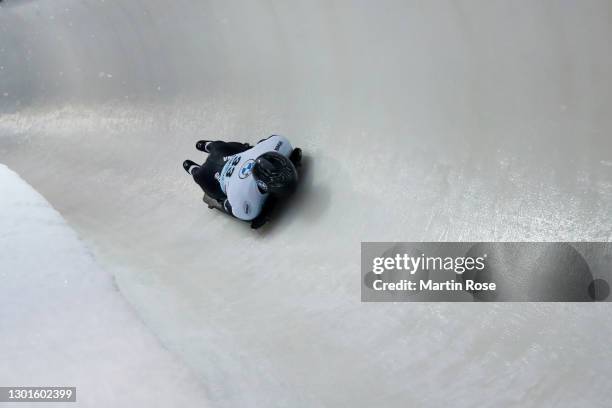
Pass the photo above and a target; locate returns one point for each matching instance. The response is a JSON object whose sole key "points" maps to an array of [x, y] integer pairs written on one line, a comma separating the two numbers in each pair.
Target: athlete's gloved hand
{"points": [[258, 221], [227, 206], [211, 202], [264, 215]]}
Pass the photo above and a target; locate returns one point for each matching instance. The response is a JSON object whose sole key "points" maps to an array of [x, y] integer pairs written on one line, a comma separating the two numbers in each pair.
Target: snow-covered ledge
{"points": [[63, 322]]}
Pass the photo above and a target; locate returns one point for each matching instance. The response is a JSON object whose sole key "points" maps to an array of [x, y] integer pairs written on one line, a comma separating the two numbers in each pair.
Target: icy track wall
{"points": [[434, 121], [63, 321]]}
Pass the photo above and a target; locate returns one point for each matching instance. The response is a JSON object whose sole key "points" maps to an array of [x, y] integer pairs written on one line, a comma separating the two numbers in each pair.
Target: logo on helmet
{"points": [[245, 170], [263, 187]]}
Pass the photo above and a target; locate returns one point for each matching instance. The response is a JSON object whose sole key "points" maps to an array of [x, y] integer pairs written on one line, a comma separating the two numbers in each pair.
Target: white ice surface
{"points": [[420, 120], [63, 322]]}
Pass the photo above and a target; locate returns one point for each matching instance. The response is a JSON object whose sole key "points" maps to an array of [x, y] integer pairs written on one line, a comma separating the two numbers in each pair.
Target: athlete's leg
{"points": [[205, 177], [228, 147], [219, 152]]}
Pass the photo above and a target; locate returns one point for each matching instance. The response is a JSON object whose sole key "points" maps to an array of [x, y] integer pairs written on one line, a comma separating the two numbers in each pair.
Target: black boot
{"points": [[201, 145], [188, 165]]}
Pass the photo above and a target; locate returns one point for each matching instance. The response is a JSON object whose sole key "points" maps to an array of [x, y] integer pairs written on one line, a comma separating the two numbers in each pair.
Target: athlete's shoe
{"points": [[202, 145], [189, 165]]}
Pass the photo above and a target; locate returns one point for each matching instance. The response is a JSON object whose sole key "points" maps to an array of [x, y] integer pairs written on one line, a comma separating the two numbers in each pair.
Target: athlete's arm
{"points": [[227, 207], [224, 205]]}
